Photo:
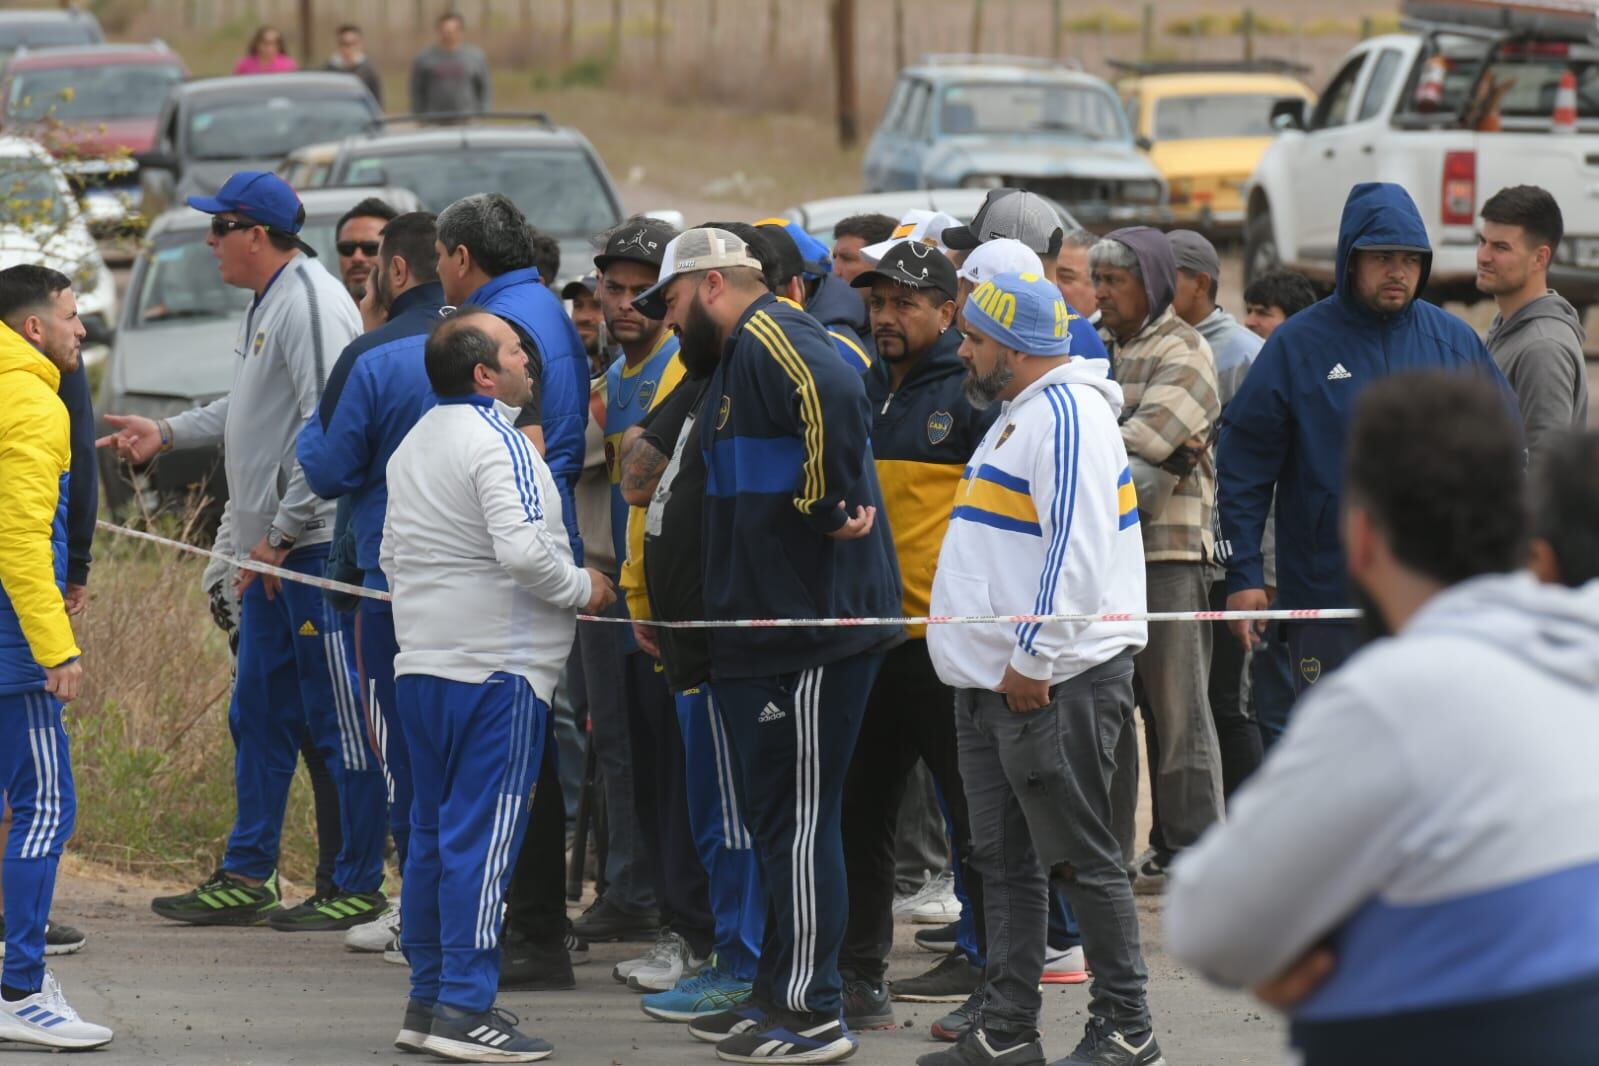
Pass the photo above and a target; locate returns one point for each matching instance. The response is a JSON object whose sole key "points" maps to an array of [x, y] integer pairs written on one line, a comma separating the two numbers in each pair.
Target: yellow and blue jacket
{"points": [[35, 458]]}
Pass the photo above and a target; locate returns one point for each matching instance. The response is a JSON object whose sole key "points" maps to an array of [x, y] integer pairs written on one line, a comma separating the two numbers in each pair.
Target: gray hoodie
{"points": [[1539, 349], [445, 82]]}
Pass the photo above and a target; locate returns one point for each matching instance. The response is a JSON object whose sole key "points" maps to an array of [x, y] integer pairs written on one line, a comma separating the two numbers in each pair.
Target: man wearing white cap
{"points": [[918, 226]]}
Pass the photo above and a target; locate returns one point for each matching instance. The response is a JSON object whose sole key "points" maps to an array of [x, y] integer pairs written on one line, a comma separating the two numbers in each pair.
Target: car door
{"points": [[908, 170], [1328, 161], [886, 141]]}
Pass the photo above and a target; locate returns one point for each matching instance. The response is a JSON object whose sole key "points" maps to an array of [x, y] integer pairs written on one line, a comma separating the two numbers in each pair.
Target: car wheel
{"points": [[1260, 248]]}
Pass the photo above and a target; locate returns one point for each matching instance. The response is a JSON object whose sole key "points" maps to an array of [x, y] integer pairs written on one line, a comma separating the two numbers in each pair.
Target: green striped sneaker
{"points": [[222, 900], [326, 914]]}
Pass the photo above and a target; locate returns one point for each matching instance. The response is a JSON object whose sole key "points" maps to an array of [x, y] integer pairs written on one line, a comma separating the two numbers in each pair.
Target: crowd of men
{"points": [[1002, 418]]}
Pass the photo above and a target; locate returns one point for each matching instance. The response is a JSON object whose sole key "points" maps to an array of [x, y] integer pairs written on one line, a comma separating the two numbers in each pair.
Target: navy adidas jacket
{"points": [[840, 308], [786, 441], [376, 392], [83, 498], [1286, 428]]}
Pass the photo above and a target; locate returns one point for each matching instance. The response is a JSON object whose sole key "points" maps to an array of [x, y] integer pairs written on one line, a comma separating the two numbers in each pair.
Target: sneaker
{"points": [[394, 954], [577, 949], [867, 1006], [940, 940], [954, 1025], [624, 969], [222, 900], [605, 921], [979, 1047], [1103, 1045], [331, 914], [951, 981], [668, 961], [527, 966], [486, 1036], [1065, 966], [786, 1037], [1149, 874], [932, 904], [416, 1027], [711, 991], [373, 937], [48, 1020], [58, 939], [714, 1028]]}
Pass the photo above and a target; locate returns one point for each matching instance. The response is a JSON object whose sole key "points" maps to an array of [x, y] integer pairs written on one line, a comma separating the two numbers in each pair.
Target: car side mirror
{"points": [[1144, 143], [157, 160], [1288, 114]]}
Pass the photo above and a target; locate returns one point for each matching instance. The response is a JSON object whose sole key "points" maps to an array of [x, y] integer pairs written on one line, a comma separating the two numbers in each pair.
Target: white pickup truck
{"points": [[1384, 117]]}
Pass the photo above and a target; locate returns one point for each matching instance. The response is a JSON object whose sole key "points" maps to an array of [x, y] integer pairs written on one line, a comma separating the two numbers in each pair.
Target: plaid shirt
{"points": [[1168, 378]]}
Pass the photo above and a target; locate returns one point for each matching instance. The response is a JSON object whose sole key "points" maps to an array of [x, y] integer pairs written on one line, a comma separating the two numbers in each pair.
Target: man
{"points": [[486, 259], [479, 657], [1170, 407], [1006, 255], [1073, 276], [1285, 429], [1565, 511], [1235, 348], [923, 431], [357, 236], [844, 317], [1019, 215], [546, 255], [1430, 789], [1273, 298], [450, 77], [40, 669], [791, 502], [293, 672], [1537, 337], [1044, 522], [587, 319], [375, 394], [919, 226], [851, 235], [351, 58]]}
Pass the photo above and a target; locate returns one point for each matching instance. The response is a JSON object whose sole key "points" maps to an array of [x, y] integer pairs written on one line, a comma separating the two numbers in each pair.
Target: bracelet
{"points": [[165, 429]]}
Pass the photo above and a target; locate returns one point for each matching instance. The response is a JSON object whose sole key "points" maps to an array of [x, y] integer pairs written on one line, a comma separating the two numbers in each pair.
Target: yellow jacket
{"points": [[632, 579], [35, 456]]}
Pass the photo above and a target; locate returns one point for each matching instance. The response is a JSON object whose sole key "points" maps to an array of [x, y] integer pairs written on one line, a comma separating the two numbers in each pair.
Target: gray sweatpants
{"points": [[1038, 792]]}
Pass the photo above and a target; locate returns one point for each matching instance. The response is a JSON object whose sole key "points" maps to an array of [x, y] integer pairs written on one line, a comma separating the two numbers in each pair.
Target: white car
{"points": [[42, 223]]}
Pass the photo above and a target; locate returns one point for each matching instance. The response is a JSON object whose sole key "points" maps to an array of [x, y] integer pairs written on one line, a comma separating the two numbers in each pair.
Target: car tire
{"points": [[1260, 247]]}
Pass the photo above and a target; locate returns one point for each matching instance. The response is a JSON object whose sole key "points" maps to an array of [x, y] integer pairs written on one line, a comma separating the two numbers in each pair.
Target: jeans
{"points": [[1038, 786], [1271, 684]]}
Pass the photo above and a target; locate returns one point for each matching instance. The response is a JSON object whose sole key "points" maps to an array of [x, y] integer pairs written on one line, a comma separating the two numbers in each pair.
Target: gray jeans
{"points": [[1038, 792]]}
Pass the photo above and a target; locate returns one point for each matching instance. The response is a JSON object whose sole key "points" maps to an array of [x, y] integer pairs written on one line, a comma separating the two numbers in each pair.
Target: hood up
{"points": [[1379, 214], [1154, 261], [1554, 629]]}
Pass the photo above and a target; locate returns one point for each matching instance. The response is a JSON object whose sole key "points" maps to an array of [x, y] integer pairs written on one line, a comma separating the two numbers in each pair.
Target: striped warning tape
{"points": [[1307, 615]]}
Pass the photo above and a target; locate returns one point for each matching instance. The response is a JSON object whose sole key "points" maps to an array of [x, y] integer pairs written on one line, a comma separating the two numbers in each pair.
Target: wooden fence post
{"points": [[977, 25], [1057, 28], [1249, 34], [899, 35], [844, 70]]}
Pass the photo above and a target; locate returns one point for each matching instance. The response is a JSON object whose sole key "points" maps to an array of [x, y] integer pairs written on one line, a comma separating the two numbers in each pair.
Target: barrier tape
{"points": [[1305, 615]]}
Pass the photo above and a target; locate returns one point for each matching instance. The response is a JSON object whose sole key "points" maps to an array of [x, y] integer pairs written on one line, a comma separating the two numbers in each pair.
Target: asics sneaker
{"points": [[708, 992], [785, 1037], [222, 900], [485, 1036], [665, 944], [417, 1026], [668, 961], [46, 1019], [58, 939], [714, 1028], [373, 937], [327, 914]]}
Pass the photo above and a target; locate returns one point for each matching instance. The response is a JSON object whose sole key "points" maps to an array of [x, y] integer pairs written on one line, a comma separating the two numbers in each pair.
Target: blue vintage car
{"points": [[982, 122]]}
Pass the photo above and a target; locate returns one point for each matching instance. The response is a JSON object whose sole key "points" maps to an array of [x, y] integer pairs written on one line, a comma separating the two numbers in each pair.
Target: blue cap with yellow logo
{"points": [[1021, 311]]}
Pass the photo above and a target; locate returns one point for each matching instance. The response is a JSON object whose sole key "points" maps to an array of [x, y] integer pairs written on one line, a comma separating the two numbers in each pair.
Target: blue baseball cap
{"points": [[1021, 311], [813, 255], [260, 196]]}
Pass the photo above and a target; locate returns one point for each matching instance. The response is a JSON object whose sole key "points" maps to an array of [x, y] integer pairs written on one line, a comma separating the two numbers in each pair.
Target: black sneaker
{"points": [[58, 939], [940, 939], [605, 921], [714, 1028], [330, 914], [958, 1022], [222, 900], [786, 1037], [866, 1005], [951, 981], [529, 967], [980, 1047], [487, 1036], [1105, 1045], [416, 1027]]}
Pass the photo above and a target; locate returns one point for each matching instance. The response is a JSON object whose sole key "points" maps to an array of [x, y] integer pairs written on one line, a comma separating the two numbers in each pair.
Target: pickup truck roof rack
{"points": [[951, 59], [1555, 20], [1269, 65], [443, 118]]}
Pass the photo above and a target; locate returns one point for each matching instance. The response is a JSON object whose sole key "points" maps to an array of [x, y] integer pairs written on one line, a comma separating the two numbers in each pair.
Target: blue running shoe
{"points": [[714, 1028], [484, 1036], [711, 991], [785, 1037]]}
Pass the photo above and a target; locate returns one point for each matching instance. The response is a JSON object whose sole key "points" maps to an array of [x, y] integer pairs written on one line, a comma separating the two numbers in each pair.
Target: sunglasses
{"points": [[221, 227], [349, 248]]}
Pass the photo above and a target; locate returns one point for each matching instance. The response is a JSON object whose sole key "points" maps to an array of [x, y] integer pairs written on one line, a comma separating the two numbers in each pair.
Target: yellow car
{"points": [[1205, 131]]}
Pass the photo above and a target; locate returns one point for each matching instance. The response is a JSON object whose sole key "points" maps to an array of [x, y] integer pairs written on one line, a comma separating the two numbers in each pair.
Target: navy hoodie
{"points": [[1287, 425], [841, 309]]}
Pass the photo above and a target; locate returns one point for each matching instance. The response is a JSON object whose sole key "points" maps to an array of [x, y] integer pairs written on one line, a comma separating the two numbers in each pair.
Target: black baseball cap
{"points": [[920, 266], [790, 263], [587, 284], [644, 243]]}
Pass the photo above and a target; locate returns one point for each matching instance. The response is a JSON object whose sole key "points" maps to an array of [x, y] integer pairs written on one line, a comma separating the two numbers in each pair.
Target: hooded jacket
{"points": [[35, 457], [1169, 396], [1539, 350], [1286, 427], [842, 311], [1429, 815]]}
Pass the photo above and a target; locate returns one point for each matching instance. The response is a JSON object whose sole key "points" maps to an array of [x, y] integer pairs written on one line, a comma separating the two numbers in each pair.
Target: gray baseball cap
{"points": [[1014, 213], [1191, 251]]}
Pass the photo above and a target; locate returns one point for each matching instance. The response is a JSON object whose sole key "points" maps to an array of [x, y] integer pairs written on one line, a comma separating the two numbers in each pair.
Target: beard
{"points": [[891, 346], [981, 390], [699, 342]]}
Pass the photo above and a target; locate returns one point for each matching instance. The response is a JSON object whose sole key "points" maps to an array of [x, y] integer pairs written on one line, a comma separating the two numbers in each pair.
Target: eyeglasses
{"points": [[221, 227], [349, 248]]}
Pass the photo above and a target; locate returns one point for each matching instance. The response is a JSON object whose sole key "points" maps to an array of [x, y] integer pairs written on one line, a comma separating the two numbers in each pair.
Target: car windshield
{"points": [[48, 34], [180, 279], [69, 94], [1191, 118], [559, 190], [262, 129], [1040, 110], [31, 196]]}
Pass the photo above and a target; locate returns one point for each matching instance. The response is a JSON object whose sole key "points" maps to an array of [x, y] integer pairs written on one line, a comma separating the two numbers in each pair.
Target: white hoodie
{"points": [[1045, 522], [476, 553]]}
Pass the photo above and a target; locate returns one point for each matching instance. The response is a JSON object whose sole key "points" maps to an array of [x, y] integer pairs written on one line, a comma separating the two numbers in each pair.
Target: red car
{"points": [[95, 107]]}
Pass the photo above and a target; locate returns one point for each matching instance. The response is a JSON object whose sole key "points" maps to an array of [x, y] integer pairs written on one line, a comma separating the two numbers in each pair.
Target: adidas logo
{"points": [[771, 713], [308, 630], [1338, 373]]}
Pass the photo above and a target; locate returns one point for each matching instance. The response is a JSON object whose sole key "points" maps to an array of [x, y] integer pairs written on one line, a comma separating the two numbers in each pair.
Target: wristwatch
{"points": [[278, 540]]}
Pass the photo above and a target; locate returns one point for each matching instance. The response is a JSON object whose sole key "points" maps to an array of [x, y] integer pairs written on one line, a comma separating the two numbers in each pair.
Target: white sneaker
{"points": [[48, 1020], [374, 936], [933, 904], [1065, 966], [393, 953], [660, 968]]}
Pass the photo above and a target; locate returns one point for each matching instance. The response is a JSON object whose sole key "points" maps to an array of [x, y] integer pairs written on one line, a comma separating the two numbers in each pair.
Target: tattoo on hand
{"points": [[642, 467]]}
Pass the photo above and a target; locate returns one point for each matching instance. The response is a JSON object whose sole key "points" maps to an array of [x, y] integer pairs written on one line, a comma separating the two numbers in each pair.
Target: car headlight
{"points": [[982, 181]]}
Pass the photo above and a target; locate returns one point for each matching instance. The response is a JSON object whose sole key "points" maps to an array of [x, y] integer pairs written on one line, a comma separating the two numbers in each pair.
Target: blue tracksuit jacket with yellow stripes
{"points": [[786, 441]]}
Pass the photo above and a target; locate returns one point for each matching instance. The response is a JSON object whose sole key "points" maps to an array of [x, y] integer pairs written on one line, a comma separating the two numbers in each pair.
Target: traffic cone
{"points": [[1565, 116]]}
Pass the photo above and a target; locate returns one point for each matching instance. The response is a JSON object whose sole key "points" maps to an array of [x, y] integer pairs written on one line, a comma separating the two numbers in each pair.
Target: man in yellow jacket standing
{"points": [[39, 667]]}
